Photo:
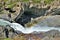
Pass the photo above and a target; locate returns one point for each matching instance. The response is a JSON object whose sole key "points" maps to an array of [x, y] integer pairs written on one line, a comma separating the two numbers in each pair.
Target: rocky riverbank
{"points": [[29, 14], [26, 11]]}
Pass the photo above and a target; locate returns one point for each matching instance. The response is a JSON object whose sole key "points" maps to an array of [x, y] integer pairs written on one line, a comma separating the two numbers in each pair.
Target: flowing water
{"points": [[36, 28]]}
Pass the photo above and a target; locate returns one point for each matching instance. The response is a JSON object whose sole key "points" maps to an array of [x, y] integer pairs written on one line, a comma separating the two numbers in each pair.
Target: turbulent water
{"points": [[20, 28]]}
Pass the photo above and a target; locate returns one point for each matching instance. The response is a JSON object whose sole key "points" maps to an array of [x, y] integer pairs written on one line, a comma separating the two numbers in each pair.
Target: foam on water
{"points": [[20, 28], [36, 28], [4, 22]]}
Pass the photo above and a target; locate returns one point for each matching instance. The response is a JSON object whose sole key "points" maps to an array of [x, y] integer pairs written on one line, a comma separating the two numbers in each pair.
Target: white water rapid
{"points": [[20, 28]]}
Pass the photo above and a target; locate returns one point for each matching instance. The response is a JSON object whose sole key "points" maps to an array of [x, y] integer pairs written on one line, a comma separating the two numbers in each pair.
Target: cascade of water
{"points": [[36, 28], [4, 22], [20, 28]]}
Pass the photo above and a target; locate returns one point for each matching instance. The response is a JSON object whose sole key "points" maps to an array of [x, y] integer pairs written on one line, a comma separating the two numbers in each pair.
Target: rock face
{"points": [[51, 21], [54, 11], [34, 11], [26, 11], [50, 35], [44, 14], [3, 32], [29, 13]]}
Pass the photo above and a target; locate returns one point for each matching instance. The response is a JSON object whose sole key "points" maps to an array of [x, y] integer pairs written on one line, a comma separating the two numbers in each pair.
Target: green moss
{"points": [[7, 39], [48, 1], [25, 0], [5, 0], [36, 1], [11, 5]]}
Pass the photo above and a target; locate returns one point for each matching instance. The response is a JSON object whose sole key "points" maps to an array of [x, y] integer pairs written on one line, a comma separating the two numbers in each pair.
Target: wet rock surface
{"points": [[51, 35], [46, 14]]}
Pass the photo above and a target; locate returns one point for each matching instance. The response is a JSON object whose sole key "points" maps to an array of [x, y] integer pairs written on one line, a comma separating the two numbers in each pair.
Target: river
{"points": [[35, 28]]}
